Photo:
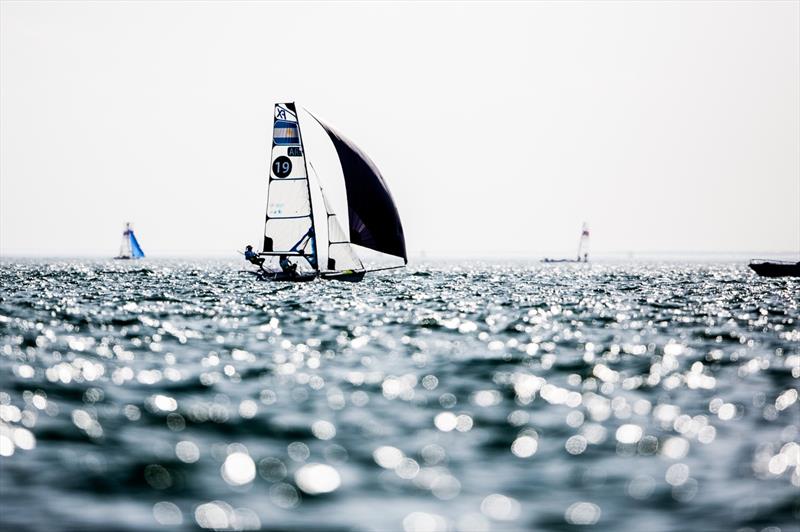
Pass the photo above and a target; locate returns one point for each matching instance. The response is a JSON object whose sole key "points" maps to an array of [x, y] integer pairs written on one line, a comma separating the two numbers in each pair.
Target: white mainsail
{"points": [[289, 227], [125, 251], [583, 244]]}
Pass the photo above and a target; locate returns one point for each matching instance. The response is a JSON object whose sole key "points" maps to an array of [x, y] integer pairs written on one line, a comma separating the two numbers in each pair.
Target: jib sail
{"points": [[341, 255]]}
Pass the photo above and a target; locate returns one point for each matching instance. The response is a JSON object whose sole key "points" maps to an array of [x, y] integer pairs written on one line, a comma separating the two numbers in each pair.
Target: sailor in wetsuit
{"points": [[287, 266], [252, 257]]}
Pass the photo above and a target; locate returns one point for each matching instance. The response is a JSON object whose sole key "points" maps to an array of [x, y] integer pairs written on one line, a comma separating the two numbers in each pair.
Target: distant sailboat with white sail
{"points": [[129, 248], [303, 229], [583, 248], [583, 244]]}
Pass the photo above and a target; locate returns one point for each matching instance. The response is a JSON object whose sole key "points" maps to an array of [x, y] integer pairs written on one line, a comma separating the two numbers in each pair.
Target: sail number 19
{"points": [[282, 166]]}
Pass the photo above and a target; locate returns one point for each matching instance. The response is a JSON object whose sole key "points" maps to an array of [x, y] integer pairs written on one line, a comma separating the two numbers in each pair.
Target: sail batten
{"points": [[374, 222]]}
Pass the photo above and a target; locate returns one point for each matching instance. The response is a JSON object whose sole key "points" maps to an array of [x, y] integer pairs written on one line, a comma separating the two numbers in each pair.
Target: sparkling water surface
{"points": [[178, 395]]}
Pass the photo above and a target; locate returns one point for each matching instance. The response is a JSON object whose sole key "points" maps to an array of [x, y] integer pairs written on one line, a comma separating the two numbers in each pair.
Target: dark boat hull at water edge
{"points": [[284, 277], [776, 269], [350, 277], [347, 277]]}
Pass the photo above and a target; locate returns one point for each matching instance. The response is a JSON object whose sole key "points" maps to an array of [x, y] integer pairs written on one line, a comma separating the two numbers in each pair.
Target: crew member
{"points": [[287, 266], [252, 257]]}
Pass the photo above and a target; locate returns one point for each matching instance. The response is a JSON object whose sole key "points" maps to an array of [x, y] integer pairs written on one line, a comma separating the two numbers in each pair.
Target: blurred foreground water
{"points": [[174, 395]]}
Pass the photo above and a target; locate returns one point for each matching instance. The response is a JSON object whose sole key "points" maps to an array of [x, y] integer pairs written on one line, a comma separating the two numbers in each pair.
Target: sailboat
{"points": [[129, 248], [583, 248], [303, 236], [775, 268]]}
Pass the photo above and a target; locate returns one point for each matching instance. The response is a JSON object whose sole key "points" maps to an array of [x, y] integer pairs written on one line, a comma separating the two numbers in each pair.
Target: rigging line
{"points": [[295, 247], [384, 269], [319, 184]]}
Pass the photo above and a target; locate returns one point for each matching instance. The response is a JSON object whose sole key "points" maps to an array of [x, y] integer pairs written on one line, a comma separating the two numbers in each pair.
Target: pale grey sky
{"points": [[499, 127]]}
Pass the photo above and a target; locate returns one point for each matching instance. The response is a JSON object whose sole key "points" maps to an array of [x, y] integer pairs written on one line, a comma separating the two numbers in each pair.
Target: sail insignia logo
{"points": [[282, 113], [285, 132]]}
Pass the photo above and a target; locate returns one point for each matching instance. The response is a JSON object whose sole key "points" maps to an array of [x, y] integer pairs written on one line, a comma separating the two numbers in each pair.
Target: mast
{"points": [[125, 246], [308, 190]]}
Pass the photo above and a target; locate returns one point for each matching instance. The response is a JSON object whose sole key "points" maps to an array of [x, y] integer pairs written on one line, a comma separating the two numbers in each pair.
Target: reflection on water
{"points": [[178, 395]]}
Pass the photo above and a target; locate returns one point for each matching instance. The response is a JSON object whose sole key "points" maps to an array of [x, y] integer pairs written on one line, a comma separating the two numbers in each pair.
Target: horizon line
{"points": [[422, 256]]}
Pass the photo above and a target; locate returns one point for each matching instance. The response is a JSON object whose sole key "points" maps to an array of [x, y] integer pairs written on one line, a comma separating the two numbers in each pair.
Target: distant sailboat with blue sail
{"points": [[130, 248], [303, 236]]}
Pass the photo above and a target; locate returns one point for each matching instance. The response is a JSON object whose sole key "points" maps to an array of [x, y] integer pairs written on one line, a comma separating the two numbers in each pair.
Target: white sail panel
{"points": [[285, 233], [341, 255], [288, 199], [335, 232]]}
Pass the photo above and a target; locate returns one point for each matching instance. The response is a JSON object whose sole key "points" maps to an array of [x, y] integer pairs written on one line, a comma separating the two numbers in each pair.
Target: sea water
{"points": [[175, 395]]}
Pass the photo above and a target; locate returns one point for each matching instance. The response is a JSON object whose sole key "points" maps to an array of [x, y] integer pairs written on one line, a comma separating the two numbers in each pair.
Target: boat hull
{"points": [[347, 277], [776, 269], [282, 277]]}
